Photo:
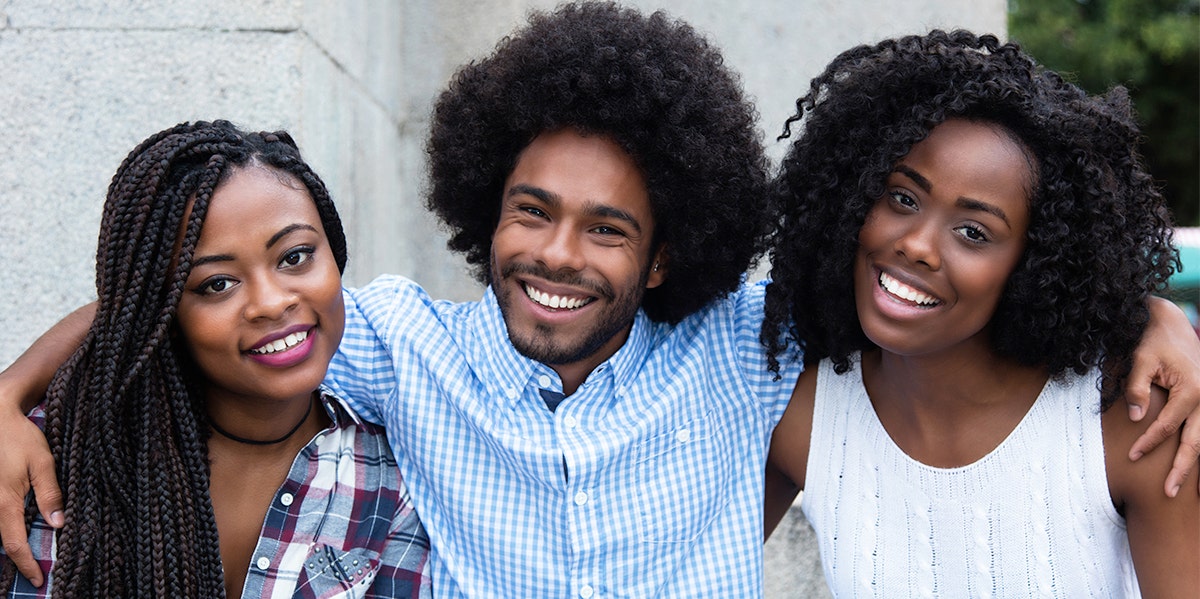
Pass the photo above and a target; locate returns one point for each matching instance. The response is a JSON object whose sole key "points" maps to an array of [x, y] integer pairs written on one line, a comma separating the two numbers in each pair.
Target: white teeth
{"points": [[899, 289], [271, 347], [554, 301]]}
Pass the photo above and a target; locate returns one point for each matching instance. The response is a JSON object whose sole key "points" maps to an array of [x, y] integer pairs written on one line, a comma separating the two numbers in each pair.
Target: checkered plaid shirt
{"points": [[341, 525], [647, 481]]}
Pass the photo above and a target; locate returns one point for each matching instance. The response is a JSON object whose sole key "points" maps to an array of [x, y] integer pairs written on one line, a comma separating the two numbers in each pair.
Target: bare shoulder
{"points": [[792, 436], [1164, 532], [1126, 477]]}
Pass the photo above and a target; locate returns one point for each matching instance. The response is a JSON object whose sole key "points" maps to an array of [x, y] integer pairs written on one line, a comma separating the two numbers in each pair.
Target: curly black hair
{"points": [[1099, 238], [651, 84], [124, 418]]}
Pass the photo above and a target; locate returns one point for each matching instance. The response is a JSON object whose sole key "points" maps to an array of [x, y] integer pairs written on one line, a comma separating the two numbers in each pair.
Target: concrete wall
{"points": [[84, 80]]}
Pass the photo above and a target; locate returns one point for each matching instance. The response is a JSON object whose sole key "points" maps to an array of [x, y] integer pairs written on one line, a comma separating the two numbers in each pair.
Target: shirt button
{"points": [[683, 435], [569, 421], [544, 381], [511, 393], [320, 438], [263, 563], [586, 591], [581, 498], [287, 499]]}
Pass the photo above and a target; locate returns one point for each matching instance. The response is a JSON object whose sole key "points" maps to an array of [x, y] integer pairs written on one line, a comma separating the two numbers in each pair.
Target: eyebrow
{"points": [[212, 258], [286, 230], [962, 202], [973, 204], [270, 242], [553, 200], [916, 177]]}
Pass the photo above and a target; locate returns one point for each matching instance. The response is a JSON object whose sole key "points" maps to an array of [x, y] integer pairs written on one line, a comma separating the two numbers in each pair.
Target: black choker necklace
{"points": [[233, 437]]}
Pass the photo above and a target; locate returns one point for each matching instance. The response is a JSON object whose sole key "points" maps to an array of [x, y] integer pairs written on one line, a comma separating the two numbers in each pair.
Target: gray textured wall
{"points": [[85, 80]]}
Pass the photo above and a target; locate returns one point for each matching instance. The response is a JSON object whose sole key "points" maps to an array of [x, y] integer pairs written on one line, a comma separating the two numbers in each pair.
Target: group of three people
{"points": [[969, 242]]}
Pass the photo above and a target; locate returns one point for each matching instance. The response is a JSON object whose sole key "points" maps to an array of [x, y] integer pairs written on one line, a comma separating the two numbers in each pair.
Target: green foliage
{"points": [[1152, 47]]}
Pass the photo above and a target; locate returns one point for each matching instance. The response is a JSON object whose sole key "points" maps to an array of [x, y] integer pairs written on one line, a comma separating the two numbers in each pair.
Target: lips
{"points": [[556, 302], [278, 345], [905, 292], [285, 348]]}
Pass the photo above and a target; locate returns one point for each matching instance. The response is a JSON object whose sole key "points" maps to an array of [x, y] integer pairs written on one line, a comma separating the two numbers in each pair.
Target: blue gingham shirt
{"points": [[340, 527], [647, 481]]}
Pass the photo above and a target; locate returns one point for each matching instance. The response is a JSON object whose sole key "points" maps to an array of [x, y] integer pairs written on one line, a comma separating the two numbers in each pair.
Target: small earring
{"points": [[655, 267]]}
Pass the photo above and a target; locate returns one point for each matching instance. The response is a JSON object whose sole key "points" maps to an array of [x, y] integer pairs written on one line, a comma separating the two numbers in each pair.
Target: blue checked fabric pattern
{"points": [[341, 525], [647, 481]]}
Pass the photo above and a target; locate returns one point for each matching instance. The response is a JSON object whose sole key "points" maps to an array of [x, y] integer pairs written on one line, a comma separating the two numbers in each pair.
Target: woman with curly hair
{"points": [[979, 240], [199, 457]]}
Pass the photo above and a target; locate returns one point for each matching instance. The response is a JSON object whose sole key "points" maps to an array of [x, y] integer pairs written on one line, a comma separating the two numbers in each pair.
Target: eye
{"points": [[607, 230], [297, 256], [533, 211], [214, 286], [901, 198], [973, 234]]}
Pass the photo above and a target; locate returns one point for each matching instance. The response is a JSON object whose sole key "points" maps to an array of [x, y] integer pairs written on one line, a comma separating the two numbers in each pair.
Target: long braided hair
{"points": [[124, 417]]}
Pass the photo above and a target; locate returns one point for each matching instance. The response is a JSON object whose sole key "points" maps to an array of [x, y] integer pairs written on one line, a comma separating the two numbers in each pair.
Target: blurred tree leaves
{"points": [[1151, 47]]}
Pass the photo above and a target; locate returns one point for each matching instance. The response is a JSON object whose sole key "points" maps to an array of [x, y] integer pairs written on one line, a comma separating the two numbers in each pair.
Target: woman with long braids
{"points": [[967, 248], [197, 454]]}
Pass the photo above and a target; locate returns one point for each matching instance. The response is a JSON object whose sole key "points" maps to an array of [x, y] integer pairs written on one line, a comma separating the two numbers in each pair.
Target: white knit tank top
{"points": [[1033, 518]]}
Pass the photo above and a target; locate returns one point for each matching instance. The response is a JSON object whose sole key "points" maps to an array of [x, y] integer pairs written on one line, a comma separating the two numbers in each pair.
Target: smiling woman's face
{"points": [[262, 312], [936, 250]]}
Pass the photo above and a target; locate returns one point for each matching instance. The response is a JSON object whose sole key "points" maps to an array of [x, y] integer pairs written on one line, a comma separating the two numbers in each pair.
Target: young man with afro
{"points": [[597, 424]]}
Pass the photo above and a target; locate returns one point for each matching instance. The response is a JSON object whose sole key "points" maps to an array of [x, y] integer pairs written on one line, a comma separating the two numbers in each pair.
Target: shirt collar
{"points": [[507, 373], [339, 412]]}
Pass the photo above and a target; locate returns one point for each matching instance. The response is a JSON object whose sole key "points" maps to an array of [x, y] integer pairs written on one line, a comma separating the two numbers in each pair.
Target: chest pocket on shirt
{"points": [[329, 573], [683, 481]]}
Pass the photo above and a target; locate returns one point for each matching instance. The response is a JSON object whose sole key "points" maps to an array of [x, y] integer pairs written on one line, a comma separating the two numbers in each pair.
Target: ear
{"points": [[658, 268]]}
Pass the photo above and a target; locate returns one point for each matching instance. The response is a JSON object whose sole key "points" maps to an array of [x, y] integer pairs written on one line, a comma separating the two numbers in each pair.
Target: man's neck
{"points": [[573, 375]]}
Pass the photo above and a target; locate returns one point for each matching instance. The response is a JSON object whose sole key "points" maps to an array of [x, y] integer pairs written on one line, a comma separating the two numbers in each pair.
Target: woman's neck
{"points": [[953, 408], [244, 478], [265, 426]]}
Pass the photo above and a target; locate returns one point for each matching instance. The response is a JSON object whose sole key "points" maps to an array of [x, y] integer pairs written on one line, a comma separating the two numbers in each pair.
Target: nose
{"points": [[918, 244], [561, 248], [269, 297]]}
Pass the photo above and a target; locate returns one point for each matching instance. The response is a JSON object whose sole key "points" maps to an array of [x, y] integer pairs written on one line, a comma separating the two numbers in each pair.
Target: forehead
{"points": [[256, 201], [974, 159], [582, 169]]}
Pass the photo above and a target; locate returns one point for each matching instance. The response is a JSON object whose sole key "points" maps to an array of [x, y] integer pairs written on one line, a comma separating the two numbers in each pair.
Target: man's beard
{"points": [[540, 345]]}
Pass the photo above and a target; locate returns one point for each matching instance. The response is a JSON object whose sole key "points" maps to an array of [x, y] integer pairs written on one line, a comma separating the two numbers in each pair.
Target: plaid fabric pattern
{"points": [[342, 524], [647, 481]]}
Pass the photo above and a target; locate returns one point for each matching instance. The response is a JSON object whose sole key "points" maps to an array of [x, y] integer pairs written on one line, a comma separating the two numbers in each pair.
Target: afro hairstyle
{"points": [[653, 86]]}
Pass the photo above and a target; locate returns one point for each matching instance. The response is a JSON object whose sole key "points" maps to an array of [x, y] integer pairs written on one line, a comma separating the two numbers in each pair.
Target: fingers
{"points": [[45, 488], [12, 531], [1164, 427], [25, 460], [1137, 389], [1185, 458]]}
